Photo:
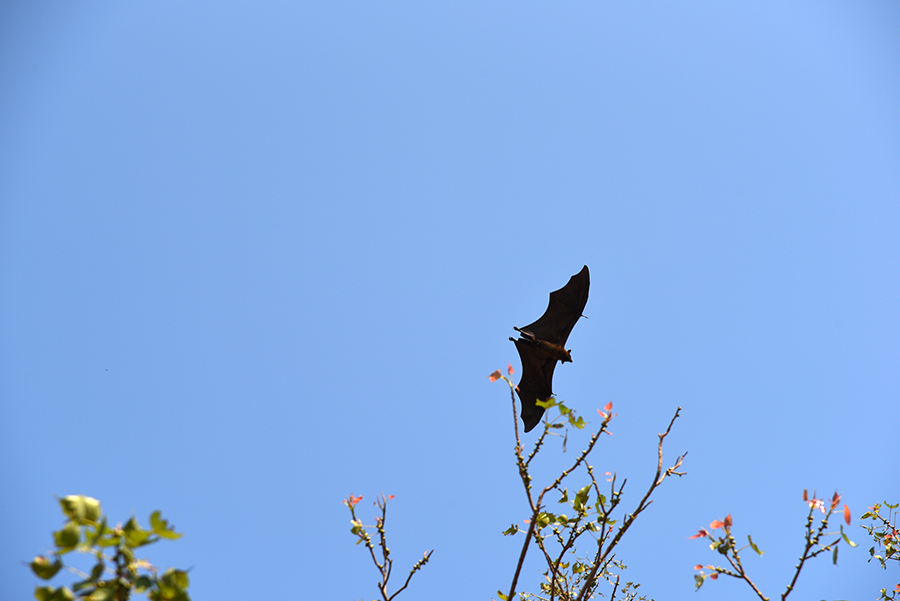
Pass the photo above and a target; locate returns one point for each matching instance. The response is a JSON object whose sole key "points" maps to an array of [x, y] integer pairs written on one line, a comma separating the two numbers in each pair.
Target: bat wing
{"points": [[536, 382], [566, 306]]}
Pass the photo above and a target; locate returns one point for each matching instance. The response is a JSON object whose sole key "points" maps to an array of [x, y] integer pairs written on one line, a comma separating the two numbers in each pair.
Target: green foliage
{"points": [[885, 535], [116, 573]]}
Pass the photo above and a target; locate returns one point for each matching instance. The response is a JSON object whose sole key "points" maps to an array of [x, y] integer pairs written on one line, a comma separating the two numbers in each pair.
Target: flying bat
{"points": [[542, 344]]}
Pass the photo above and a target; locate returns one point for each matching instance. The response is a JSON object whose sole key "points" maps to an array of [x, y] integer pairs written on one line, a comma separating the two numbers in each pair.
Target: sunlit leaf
{"points": [[80, 508], [162, 528], [846, 540], [753, 546], [581, 497]]}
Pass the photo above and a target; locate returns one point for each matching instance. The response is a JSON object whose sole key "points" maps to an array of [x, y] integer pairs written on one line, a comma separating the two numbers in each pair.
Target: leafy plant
{"points": [[884, 533], [117, 572], [568, 574]]}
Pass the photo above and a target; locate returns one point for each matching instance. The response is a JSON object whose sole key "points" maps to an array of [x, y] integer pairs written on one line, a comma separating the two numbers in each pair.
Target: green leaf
{"points": [[834, 555], [102, 594], [698, 580], [80, 508], [501, 595], [177, 579], [135, 536], [97, 572], [49, 593], [142, 583], [753, 546], [511, 530], [846, 540], [68, 538], [111, 541], [162, 528], [96, 533], [581, 497], [45, 570]]}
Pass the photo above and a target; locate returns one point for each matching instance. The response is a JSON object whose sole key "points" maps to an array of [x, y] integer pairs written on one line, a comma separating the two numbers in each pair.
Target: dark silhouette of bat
{"points": [[542, 344]]}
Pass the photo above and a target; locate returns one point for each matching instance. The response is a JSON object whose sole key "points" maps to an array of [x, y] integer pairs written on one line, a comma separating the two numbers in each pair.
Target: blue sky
{"points": [[257, 257]]}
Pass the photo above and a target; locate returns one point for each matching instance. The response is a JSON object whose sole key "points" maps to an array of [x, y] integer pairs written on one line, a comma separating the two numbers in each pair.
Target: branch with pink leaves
{"points": [[726, 545]]}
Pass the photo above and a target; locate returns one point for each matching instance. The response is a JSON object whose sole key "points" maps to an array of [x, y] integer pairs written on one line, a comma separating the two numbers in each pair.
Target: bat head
{"points": [[567, 358]]}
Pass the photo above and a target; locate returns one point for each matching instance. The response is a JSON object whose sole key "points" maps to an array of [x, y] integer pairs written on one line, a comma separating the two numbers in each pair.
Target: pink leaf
{"points": [[699, 534]]}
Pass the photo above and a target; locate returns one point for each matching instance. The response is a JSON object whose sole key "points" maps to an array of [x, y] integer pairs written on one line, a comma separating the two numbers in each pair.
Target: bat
{"points": [[542, 343]]}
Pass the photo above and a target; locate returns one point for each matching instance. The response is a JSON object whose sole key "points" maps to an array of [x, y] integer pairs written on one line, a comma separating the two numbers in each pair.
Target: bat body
{"points": [[542, 343]]}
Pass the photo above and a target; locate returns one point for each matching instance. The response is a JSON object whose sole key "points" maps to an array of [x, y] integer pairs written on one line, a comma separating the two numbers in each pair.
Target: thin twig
{"points": [[810, 541], [643, 504], [536, 507], [416, 567]]}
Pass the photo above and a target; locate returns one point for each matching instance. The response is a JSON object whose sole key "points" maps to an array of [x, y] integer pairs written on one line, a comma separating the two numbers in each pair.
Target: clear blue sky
{"points": [[256, 257]]}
